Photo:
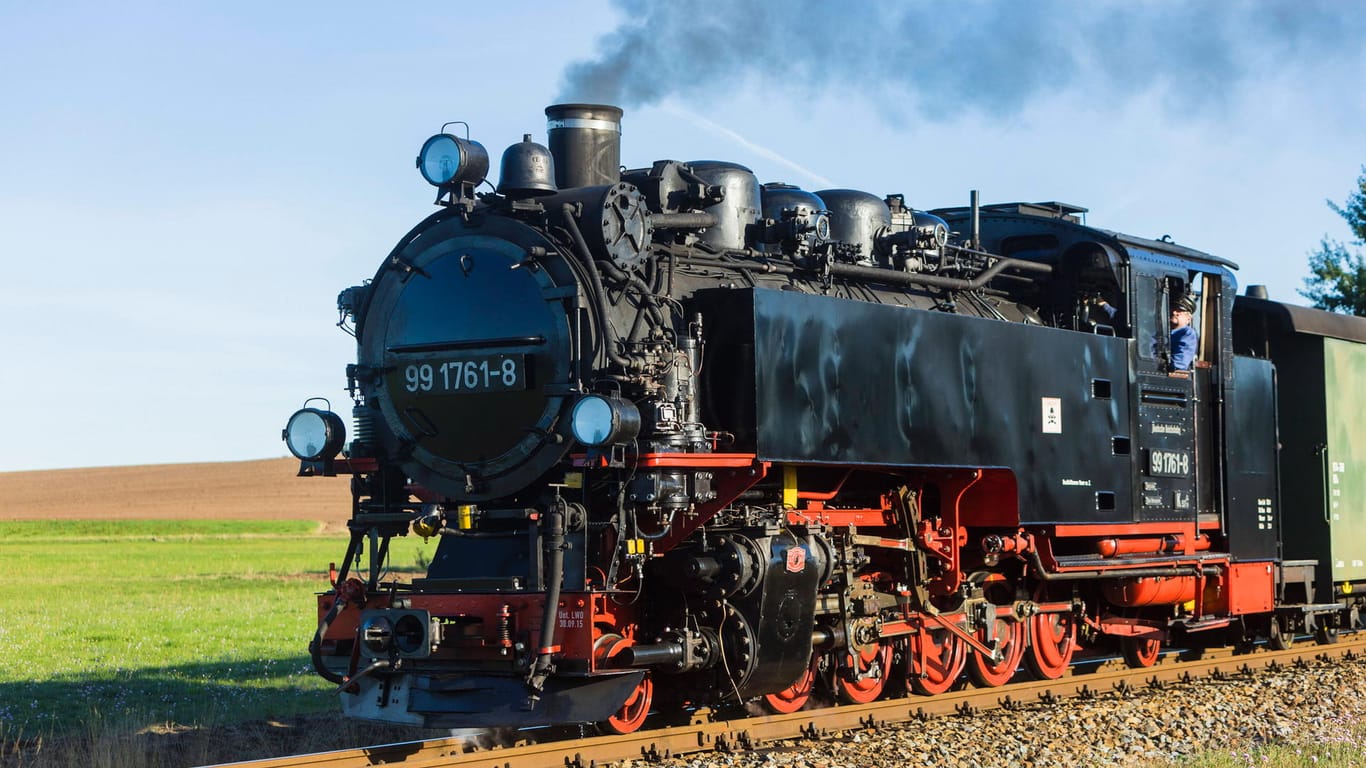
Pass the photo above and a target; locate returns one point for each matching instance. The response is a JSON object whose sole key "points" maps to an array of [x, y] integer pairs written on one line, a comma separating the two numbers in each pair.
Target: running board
{"points": [[1200, 625]]}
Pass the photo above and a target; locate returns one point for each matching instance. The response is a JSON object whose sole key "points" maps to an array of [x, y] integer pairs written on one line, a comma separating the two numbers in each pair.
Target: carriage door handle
{"points": [[1322, 450]]}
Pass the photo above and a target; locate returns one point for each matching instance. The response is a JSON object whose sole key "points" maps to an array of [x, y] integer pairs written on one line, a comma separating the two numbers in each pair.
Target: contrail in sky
{"points": [[702, 122]]}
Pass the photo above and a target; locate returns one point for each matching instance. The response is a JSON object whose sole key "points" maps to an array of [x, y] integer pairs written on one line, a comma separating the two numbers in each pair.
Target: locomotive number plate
{"points": [[1169, 463], [481, 373]]}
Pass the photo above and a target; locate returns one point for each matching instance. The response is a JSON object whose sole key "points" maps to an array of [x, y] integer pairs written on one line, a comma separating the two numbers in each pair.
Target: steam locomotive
{"points": [[688, 440]]}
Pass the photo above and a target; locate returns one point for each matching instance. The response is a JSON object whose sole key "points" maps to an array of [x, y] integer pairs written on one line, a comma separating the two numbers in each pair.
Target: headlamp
{"points": [[312, 434], [446, 161], [598, 420]]}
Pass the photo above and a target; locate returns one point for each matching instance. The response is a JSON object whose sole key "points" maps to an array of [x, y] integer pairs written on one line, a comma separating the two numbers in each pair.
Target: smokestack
{"points": [[585, 140]]}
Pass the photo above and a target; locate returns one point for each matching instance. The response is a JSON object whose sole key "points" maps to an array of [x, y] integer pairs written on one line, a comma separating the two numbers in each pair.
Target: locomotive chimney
{"points": [[585, 140]]}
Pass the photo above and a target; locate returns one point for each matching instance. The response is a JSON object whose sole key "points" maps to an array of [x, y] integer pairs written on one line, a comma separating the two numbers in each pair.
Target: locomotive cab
{"points": [[1196, 482]]}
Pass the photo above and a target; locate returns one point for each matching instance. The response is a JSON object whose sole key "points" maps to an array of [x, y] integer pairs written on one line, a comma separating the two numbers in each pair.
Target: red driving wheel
{"points": [[934, 659], [1052, 642], [795, 696], [989, 674], [1141, 651], [869, 673], [632, 713]]}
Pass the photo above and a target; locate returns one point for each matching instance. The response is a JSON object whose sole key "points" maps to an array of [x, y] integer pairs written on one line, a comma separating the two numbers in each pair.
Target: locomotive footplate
{"points": [[488, 701], [1314, 608]]}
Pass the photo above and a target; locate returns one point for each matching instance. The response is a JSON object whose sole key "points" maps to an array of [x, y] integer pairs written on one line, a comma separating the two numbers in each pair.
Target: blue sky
{"points": [[185, 187]]}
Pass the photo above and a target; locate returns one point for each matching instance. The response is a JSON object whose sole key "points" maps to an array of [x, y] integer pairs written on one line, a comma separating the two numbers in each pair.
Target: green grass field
{"points": [[155, 622]]}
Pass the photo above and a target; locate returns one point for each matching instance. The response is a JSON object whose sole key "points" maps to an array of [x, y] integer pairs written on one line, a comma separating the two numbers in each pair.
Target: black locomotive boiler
{"points": [[691, 440]]}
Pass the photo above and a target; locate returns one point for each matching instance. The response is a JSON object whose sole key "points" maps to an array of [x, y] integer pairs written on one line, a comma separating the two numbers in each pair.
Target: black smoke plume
{"points": [[990, 56]]}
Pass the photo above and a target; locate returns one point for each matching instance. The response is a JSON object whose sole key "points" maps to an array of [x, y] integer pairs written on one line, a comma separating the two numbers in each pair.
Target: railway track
{"points": [[706, 734]]}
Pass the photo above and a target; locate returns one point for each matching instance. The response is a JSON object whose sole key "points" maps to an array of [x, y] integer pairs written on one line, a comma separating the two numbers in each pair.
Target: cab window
{"points": [[1151, 317]]}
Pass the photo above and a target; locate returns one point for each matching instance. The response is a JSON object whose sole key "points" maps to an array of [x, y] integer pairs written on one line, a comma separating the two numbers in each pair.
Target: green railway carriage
{"points": [[1320, 360]]}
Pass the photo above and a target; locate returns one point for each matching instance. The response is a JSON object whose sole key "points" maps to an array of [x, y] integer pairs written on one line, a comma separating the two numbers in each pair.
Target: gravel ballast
{"points": [[1324, 702]]}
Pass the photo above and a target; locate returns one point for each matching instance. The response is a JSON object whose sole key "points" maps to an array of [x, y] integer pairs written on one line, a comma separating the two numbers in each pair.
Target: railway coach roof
{"points": [[1074, 215], [1316, 322]]}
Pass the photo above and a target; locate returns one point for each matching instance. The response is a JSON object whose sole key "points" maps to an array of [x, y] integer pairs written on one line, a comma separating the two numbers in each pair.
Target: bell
{"points": [[527, 170]]}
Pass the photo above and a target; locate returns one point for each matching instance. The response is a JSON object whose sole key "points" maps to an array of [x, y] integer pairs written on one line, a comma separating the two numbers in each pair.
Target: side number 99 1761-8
{"points": [[1169, 463], [495, 373]]}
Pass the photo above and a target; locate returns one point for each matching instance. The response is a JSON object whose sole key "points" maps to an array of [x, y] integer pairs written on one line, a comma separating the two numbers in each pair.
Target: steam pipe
{"points": [[586, 256], [352, 548], [682, 220], [825, 495], [886, 276], [647, 296], [1112, 547], [702, 568], [377, 666], [976, 220], [1115, 573], [765, 266], [315, 648], [672, 654], [873, 274], [657, 655], [554, 552]]}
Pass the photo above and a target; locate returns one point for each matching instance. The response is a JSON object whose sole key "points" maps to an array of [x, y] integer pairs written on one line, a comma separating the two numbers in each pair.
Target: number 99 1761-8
{"points": [[482, 374]]}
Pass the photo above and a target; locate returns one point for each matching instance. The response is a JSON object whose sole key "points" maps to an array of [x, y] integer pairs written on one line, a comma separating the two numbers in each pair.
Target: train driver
{"points": [[1185, 339]]}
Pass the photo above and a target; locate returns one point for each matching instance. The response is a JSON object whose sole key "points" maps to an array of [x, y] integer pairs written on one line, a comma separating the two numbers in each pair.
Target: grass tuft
{"points": [[1339, 747]]}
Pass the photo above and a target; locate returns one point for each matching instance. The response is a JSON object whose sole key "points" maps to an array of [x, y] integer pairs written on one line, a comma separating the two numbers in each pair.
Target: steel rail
{"points": [[1084, 681]]}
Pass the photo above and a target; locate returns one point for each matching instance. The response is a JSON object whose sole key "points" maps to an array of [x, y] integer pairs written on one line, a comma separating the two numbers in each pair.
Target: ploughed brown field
{"points": [[236, 490]]}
